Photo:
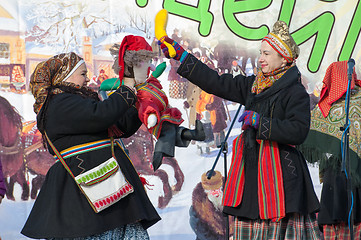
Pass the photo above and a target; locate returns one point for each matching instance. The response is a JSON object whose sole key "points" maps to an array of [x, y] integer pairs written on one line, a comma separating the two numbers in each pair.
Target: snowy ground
{"points": [[175, 217]]}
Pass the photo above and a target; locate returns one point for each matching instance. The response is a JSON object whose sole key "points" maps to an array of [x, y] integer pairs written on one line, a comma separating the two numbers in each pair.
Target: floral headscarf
{"points": [[53, 71]]}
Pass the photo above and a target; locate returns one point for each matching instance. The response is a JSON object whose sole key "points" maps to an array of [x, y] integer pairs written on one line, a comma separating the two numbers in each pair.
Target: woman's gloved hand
{"points": [[249, 119], [180, 52]]}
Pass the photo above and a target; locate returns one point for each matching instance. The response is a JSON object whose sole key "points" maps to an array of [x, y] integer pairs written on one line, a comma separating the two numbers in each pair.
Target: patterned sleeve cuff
{"points": [[264, 129], [184, 55], [187, 65], [127, 94]]}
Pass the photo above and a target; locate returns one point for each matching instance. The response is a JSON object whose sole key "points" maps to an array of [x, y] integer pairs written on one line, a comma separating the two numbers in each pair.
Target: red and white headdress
{"points": [[281, 41]]}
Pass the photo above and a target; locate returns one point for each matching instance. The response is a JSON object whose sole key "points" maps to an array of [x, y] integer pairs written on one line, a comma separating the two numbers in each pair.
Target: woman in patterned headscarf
{"points": [[72, 115], [268, 189]]}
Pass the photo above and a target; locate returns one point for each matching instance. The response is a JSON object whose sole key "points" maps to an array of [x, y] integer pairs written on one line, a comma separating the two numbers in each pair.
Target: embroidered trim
{"points": [[188, 63], [109, 200], [266, 129], [99, 174], [290, 165], [127, 95], [79, 165], [154, 93], [168, 118]]}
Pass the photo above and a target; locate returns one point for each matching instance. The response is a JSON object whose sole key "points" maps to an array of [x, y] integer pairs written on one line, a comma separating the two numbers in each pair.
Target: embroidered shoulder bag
{"points": [[102, 185]]}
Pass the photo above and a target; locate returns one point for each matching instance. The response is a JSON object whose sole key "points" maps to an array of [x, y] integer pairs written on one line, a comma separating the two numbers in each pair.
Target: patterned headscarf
{"points": [[281, 41], [53, 71]]}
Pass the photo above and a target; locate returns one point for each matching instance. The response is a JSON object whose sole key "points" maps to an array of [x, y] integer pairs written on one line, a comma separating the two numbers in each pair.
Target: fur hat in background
{"points": [[282, 41], [132, 50], [214, 183]]}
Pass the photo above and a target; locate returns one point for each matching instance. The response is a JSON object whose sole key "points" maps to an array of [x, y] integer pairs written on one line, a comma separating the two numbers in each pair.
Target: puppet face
{"points": [[141, 71]]}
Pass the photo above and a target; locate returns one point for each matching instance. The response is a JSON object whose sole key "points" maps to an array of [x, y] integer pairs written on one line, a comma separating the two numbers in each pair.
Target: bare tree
{"points": [[140, 22], [64, 24]]}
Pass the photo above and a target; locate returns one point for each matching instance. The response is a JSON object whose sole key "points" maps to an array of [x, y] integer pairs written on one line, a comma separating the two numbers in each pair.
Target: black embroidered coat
{"points": [[285, 118], [61, 210]]}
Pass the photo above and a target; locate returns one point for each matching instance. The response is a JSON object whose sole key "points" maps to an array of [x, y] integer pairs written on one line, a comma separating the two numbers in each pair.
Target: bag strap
{"points": [[59, 156], [121, 144]]}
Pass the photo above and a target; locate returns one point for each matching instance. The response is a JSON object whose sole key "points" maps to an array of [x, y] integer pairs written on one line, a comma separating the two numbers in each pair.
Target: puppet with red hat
{"points": [[133, 60]]}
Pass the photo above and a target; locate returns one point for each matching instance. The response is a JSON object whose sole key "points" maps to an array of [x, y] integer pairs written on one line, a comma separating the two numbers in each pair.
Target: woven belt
{"points": [[83, 148]]}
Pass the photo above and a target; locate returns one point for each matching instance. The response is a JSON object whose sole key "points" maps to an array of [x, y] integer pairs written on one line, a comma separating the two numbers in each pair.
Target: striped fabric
{"points": [[341, 231], [292, 227], [233, 189], [270, 182], [271, 195], [82, 148], [168, 118], [155, 94]]}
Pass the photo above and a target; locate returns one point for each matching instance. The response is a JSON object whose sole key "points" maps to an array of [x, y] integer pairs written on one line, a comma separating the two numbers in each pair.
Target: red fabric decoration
{"points": [[131, 43], [335, 85], [145, 182]]}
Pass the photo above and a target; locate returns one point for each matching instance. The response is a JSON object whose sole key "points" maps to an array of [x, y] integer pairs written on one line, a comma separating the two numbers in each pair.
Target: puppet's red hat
{"points": [[131, 43]]}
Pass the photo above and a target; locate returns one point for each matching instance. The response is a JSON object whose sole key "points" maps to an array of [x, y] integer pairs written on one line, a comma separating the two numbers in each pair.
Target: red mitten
{"points": [[180, 52]]}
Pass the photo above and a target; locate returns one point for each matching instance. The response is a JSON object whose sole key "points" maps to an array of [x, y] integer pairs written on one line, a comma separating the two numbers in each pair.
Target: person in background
{"points": [[75, 120], [276, 119], [214, 105]]}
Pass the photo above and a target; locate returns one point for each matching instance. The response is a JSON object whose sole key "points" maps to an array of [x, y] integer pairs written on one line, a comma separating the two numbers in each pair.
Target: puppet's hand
{"points": [[109, 84], [160, 25], [152, 120], [159, 70]]}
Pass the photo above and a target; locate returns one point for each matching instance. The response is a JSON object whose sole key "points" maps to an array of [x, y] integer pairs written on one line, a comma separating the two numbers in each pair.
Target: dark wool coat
{"points": [[285, 118], [61, 210]]}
